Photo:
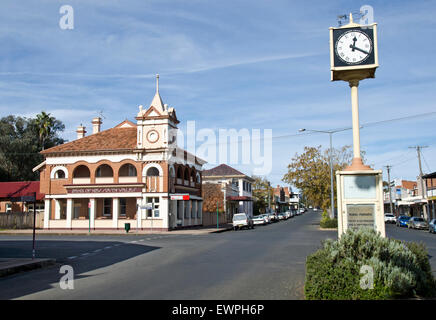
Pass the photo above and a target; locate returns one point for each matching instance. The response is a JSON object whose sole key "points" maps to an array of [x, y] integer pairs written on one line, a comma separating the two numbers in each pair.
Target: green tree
{"points": [[260, 191], [21, 141], [310, 173]]}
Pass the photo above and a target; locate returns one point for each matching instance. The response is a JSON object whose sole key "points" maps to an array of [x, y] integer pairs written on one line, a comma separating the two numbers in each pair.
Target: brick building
{"points": [[130, 173]]}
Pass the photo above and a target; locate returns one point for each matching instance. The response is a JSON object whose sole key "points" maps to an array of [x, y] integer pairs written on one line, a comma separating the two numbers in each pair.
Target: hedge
{"points": [[401, 270]]}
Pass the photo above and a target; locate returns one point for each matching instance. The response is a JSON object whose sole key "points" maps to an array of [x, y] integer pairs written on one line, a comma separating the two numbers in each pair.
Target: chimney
{"points": [[80, 131], [96, 123]]}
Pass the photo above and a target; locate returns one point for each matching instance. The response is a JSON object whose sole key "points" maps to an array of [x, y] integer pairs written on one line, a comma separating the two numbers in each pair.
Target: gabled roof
{"points": [[114, 139], [223, 170], [125, 124], [19, 189]]}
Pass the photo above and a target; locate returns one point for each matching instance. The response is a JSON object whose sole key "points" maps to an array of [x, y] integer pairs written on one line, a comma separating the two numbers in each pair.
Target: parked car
{"points": [[301, 210], [281, 216], [266, 217], [242, 220], [417, 223], [273, 217], [259, 220], [390, 218], [432, 226], [402, 221], [288, 214]]}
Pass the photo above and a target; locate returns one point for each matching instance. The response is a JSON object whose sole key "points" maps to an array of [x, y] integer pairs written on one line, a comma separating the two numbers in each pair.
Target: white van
{"points": [[242, 220]]}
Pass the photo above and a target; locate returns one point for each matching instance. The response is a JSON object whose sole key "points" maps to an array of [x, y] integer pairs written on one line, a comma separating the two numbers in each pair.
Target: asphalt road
{"points": [[265, 263], [405, 234]]}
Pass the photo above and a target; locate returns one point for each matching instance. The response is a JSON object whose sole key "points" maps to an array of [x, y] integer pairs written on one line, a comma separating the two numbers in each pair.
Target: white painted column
{"points": [[181, 203], [92, 212], [138, 213], [115, 212], [70, 204], [164, 212], [57, 209], [47, 210]]}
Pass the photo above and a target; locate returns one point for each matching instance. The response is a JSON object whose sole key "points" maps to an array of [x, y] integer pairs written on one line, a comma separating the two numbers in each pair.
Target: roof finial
{"points": [[351, 18], [157, 83]]}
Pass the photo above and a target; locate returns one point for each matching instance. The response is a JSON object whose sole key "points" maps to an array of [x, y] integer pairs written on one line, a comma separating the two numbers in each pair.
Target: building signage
{"points": [[106, 190], [179, 197], [360, 215]]}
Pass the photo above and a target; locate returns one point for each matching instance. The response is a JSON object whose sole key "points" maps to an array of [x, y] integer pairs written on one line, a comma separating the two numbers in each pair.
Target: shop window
{"points": [[107, 207], [154, 202], [123, 206], [8, 207]]}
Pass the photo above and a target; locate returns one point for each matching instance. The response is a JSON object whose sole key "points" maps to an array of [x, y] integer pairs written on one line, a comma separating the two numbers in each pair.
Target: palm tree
{"points": [[44, 123]]}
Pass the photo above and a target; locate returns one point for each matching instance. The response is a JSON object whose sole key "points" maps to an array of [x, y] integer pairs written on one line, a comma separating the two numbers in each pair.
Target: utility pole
{"points": [[388, 167], [424, 195], [269, 198]]}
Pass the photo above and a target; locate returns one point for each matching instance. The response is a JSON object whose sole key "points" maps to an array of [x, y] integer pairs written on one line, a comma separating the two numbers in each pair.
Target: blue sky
{"points": [[225, 64]]}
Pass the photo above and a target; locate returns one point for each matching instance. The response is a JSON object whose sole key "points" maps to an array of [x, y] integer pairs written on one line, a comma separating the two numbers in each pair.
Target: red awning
{"points": [[20, 189]]}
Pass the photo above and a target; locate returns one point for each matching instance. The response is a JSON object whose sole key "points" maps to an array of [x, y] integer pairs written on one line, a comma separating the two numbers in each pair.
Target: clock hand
{"points": [[354, 43], [356, 48]]}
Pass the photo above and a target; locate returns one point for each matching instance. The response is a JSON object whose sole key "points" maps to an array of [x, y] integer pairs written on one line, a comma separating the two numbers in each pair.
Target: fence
{"points": [[20, 220]]}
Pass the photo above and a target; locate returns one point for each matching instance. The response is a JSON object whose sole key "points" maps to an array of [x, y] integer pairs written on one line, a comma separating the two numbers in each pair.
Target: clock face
{"points": [[152, 136], [353, 47]]}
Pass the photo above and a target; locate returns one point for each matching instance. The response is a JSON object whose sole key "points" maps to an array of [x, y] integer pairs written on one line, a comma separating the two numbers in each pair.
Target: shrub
{"points": [[400, 269], [326, 222]]}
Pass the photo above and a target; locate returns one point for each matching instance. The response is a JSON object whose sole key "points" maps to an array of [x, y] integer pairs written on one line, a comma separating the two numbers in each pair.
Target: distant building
{"points": [[430, 184], [285, 199], [228, 188], [406, 198]]}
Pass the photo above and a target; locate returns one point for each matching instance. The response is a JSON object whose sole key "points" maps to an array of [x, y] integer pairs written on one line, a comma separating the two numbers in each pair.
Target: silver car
{"points": [[417, 223]]}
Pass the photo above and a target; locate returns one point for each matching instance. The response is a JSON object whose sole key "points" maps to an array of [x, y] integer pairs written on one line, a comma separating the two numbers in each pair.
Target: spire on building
{"points": [[157, 100]]}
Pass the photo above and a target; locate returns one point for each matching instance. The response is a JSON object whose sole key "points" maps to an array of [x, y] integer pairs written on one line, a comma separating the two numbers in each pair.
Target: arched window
{"points": [[127, 170], [104, 171], [179, 173], [81, 171], [198, 178], [186, 174], [153, 172], [59, 174], [193, 175]]}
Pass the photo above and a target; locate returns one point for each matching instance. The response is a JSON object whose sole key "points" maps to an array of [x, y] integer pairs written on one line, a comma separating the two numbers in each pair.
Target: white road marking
{"points": [[107, 247], [85, 254], [98, 250], [73, 257]]}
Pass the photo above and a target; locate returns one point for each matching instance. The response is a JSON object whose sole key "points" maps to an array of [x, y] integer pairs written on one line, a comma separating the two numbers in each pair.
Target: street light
{"points": [[330, 132]]}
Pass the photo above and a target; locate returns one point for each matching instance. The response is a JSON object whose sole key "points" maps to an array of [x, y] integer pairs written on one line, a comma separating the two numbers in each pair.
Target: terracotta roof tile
{"points": [[108, 140]]}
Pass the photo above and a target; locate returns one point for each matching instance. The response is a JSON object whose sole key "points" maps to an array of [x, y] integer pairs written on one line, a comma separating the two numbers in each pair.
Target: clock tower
{"points": [[353, 58], [157, 125]]}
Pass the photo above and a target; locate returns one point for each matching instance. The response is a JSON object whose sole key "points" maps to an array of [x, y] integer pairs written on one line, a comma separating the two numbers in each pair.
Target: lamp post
{"points": [[330, 132]]}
